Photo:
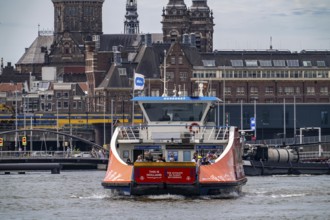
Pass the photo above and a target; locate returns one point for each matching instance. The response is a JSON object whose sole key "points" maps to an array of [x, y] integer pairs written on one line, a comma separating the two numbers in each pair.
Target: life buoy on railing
{"points": [[194, 127]]}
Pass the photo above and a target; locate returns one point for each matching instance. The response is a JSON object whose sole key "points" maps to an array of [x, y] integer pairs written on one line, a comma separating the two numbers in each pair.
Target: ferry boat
{"points": [[179, 150]]}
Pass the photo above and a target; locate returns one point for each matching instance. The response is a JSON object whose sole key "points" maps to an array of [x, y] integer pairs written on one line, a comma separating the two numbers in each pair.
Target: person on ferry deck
{"points": [[139, 159], [176, 117], [166, 117], [128, 161]]}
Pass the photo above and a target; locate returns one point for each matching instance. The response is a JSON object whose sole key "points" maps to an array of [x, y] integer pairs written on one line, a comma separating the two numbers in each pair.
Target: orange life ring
{"points": [[194, 125]]}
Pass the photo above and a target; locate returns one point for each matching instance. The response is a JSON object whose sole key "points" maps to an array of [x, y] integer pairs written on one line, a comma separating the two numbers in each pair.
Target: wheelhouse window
{"points": [[175, 111]]}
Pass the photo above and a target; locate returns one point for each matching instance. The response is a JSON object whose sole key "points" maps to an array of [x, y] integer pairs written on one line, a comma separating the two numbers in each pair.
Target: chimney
{"points": [[193, 39], [148, 40], [186, 39]]}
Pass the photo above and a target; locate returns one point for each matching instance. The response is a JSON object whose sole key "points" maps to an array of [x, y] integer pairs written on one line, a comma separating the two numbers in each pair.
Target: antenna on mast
{"points": [[271, 43]]}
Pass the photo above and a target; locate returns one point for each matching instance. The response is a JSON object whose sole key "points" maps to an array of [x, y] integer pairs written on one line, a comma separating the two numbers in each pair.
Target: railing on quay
{"points": [[308, 155], [52, 154], [292, 141]]}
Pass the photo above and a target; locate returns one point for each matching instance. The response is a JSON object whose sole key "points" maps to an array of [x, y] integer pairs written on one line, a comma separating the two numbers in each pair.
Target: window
{"points": [[186, 156], [49, 107], [209, 63], [154, 92], [237, 63], [122, 72], [289, 90], [310, 90], [280, 90], [49, 97], [324, 90], [293, 63], [297, 90], [198, 75], [265, 63], [74, 105], [227, 90], [79, 105], [307, 63], [180, 60], [66, 95], [183, 76], [58, 94], [324, 118], [170, 75], [279, 63], [254, 90], [173, 60], [295, 74], [65, 105], [42, 97], [250, 63], [59, 105], [320, 63], [210, 75], [213, 92], [269, 90], [240, 90]]}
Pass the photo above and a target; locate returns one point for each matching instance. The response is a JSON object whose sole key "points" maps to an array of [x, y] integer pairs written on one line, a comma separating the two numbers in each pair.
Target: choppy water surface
{"points": [[79, 195]]}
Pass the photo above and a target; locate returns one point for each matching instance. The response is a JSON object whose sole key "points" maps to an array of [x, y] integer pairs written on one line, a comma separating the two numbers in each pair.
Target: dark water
{"points": [[79, 195]]}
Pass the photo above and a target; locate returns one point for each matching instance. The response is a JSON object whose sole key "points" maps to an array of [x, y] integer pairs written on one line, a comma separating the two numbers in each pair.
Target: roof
{"points": [[130, 42], [118, 76], [10, 87], [35, 54], [149, 60], [175, 99], [107, 41], [84, 87], [293, 59], [73, 69]]}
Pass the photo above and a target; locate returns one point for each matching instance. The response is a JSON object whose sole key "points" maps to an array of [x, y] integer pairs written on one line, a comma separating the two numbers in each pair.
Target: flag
{"points": [[138, 81]]}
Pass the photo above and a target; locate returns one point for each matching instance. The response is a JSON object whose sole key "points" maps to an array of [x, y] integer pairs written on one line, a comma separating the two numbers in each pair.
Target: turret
{"points": [[131, 24]]}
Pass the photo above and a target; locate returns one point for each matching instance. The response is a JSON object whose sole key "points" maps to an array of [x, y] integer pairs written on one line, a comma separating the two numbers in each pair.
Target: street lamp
{"points": [[57, 137], [104, 141], [112, 117], [16, 125]]}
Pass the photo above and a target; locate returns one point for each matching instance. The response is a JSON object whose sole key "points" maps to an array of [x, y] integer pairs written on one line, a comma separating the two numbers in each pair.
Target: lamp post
{"points": [[112, 117], [57, 137], [104, 139], [24, 114], [16, 125], [255, 118], [224, 96], [284, 120]]}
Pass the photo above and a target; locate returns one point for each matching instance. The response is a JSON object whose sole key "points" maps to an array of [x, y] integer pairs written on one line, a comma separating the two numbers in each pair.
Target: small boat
{"points": [[262, 160], [179, 150]]}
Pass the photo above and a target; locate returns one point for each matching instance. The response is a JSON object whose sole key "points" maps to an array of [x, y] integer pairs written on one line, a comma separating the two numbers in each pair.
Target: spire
{"points": [[131, 24]]}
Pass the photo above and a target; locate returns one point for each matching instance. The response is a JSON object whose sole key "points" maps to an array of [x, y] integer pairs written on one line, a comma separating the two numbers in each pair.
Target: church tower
{"points": [[131, 24], [81, 18], [202, 25], [75, 21], [175, 21]]}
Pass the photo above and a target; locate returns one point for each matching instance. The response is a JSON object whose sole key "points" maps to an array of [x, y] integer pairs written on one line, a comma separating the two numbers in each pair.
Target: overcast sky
{"points": [[240, 24]]}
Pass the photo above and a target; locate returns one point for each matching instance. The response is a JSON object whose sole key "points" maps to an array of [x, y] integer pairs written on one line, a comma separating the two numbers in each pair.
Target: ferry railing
{"points": [[209, 133]]}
